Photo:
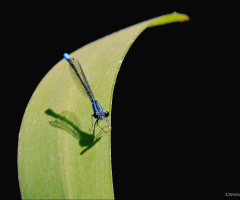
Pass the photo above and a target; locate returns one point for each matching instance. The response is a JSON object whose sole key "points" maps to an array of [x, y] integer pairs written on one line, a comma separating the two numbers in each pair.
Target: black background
{"points": [[176, 93]]}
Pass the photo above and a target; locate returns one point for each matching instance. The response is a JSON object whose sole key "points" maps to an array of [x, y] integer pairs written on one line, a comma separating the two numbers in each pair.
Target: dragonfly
{"points": [[82, 84]]}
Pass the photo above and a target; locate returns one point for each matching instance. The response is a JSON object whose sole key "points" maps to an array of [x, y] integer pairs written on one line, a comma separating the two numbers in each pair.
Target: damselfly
{"points": [[81, 82]]}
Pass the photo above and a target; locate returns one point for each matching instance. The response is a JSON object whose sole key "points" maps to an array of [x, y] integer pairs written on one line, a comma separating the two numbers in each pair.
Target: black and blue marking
{"points": [[82, 83]]}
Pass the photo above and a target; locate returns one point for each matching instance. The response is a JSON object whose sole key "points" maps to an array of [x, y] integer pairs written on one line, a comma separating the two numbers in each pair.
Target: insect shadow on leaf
{"points": [[69, 122]]}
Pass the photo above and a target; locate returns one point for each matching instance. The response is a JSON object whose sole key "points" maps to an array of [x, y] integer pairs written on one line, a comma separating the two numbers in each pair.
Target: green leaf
{"points": [[57, 158]]}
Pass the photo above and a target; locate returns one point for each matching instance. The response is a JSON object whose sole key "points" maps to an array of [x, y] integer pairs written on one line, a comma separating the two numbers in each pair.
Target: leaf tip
{"points": [[184, 17]]}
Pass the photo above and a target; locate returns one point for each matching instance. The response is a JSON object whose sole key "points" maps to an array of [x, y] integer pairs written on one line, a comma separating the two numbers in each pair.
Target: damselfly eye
{"points": [[106, 114]]}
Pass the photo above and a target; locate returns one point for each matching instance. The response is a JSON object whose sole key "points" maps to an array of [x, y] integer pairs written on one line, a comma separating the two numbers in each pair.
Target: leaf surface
{"points": [[57, 158]]}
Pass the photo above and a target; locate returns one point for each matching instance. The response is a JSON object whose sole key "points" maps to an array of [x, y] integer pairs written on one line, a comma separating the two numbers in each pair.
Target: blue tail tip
{"points": [[66, 56]]}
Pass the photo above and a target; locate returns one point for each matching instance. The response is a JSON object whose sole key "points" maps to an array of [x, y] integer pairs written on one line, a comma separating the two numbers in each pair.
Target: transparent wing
{"points": [[77, 82], [80, 79]]}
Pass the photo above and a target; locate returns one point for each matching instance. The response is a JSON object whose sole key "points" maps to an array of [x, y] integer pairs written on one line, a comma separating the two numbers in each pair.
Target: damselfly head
{"points": [[102, 115], [106, 113]]}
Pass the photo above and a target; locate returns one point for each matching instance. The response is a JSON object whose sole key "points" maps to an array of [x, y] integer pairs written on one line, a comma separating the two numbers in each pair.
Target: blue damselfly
{"points": [[81, 82]]}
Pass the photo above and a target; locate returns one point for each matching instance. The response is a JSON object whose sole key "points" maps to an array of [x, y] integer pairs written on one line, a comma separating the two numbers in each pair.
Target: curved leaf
{"points": [[57, 158]]}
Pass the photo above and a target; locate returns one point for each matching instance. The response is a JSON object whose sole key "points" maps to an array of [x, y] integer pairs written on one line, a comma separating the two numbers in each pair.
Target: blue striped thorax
{"points": [[98, 110]]}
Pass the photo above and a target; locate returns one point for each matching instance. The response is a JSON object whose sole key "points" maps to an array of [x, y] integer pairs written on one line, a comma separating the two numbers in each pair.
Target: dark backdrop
{"points": [[179, 141]]}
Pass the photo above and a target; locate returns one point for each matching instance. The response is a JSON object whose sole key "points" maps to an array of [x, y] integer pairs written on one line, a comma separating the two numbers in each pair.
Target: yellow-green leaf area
{"points": [[57, 158]]}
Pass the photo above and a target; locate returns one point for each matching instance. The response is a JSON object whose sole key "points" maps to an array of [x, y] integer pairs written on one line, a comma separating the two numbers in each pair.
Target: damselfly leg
{"points": [[97, 122]]}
